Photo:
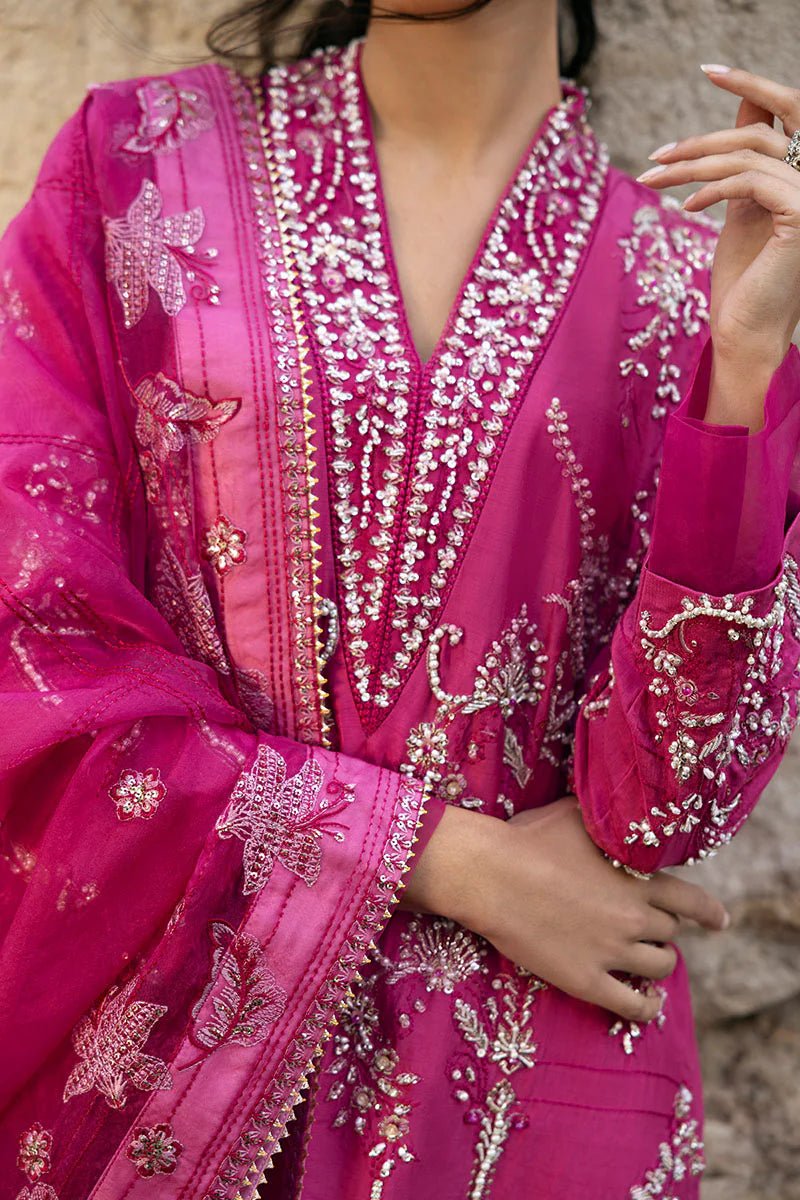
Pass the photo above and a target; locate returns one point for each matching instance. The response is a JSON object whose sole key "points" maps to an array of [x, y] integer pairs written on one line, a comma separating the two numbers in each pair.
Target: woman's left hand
{"points": [[755, 280]]}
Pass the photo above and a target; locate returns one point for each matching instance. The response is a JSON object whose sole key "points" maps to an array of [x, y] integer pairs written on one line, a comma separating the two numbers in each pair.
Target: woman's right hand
{"points": [[539, 889]]}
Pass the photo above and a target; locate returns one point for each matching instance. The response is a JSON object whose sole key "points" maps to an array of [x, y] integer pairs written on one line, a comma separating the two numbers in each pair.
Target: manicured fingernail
{"points": [[726, 920], [685, 202], [663, 150], [714, 68], [649, 174]]}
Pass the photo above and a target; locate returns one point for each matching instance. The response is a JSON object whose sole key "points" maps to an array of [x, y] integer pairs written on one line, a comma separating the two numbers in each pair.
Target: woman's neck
{"points": [[454, 84]]}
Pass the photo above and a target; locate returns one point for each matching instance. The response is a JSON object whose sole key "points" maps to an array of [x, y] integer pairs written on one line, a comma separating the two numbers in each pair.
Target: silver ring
{"points": [[792, 155]]}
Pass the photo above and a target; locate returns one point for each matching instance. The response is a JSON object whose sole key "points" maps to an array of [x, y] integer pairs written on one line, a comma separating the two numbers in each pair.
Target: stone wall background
{"points": [[647, 88]]}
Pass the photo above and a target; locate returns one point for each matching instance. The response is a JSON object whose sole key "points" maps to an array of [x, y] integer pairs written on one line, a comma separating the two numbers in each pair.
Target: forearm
{"points": [[441, 882], [738, 388]]}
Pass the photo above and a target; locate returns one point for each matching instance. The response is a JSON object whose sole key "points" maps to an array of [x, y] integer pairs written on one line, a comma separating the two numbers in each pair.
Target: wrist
{"points": [[739, 384], [453, 876]]}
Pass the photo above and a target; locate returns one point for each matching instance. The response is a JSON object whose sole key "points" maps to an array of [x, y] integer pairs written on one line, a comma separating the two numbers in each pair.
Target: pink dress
{"points": [[274, 593]]}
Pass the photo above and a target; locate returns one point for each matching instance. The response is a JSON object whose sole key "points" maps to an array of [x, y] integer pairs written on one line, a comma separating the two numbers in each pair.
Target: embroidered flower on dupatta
{"points": [[281, 819], [168, 418], [138, 793], [35, 1145], [170, 115], [41, 1191], [145, 250], [109, 1044], [224, 546], [154, 1150]]}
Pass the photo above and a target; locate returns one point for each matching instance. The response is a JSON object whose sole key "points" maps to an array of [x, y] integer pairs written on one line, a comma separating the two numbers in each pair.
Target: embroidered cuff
{"points": [[724, 503]]}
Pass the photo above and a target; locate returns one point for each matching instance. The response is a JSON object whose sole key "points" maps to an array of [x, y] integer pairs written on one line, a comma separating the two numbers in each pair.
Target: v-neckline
{"points": [[412, 447], [423, 369]]}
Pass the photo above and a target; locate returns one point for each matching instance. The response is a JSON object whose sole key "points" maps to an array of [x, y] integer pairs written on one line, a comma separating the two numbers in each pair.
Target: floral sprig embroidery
{"points": [[40, 1191], [282, 820], [33, 1157], [681, 1156], [109, 1044], [138, 793], [145, 250]]}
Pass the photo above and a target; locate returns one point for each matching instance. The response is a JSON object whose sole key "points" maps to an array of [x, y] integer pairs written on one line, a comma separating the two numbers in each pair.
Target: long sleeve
{"points": [[184, 899], [689, 709]]}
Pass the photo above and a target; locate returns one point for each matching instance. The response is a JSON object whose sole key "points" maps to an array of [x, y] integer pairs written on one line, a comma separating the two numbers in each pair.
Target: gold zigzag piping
{"points": [[323, 698]]}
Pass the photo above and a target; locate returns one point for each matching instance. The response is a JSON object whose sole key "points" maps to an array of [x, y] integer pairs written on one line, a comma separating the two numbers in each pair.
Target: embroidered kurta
{"points": [[275, 592]]}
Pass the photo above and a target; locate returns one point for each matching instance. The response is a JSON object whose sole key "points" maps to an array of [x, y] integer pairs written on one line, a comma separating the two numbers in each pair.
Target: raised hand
{"points": [[755, 283]]}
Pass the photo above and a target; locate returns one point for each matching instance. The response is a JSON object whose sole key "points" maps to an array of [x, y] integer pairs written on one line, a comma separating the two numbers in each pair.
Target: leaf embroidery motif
{"points": [[243, 993], [184, 601], [281, 819], [109, 1043]]}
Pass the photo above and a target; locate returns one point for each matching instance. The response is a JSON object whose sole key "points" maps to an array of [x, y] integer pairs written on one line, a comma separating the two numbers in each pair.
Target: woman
{"points": [[334, 549]]}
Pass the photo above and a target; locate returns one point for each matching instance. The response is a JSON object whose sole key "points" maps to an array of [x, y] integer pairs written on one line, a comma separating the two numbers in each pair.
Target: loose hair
{"points": [[265, 23]]}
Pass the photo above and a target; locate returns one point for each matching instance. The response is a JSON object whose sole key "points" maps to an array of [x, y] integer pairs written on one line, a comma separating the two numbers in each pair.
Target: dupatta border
{"points": [[299, 471], [270, 1116]]}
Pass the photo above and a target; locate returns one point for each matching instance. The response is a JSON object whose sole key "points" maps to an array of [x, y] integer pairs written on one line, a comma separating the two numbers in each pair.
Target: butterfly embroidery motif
{"points": [[281, 820], [145, 250], [168, 417], [170, 115]]}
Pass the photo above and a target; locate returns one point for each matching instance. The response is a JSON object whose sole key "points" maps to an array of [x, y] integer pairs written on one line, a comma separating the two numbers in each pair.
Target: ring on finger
{"points": [[792, 155]]}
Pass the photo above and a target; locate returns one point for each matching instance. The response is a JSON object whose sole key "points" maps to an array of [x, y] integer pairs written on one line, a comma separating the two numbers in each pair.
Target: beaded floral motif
{"points": [[508, 685], [14, 317], [592, 600], [711, 741], [282, 820], [224, 546], [669, 258], [154, 1150], [40, 1191], [499, 1033], [169, 116], [440, 952], [33, 1157], [145, 250], [373, 1087], [109, 1045], [138, 793], [412, 456], [242, 994], [679, 1158]]}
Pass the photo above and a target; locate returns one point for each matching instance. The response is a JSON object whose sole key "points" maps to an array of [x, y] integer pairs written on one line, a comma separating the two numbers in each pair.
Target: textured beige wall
{"points": [[647, 89]]}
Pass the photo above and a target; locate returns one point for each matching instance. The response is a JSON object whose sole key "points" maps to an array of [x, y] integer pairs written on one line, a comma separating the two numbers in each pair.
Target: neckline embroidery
{"points": [[412, 447]]}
